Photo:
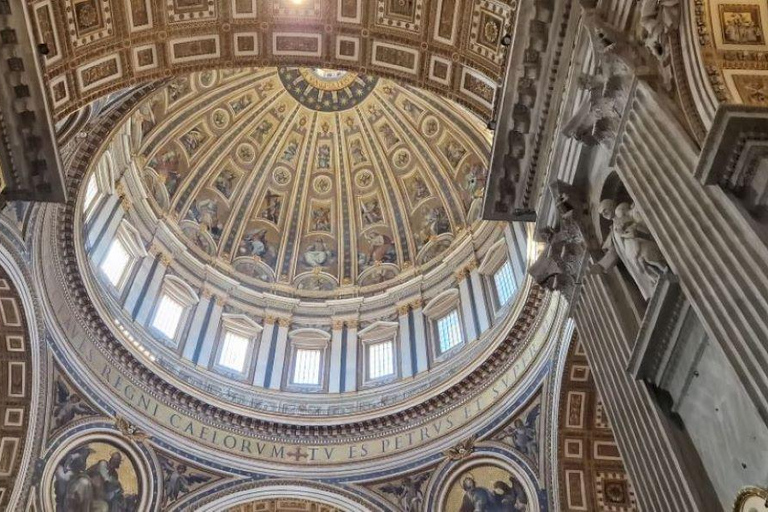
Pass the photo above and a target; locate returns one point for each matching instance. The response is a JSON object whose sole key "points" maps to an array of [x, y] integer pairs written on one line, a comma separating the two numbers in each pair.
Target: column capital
{"points": [[403, 309], [284, 322], [164, 258], [270, 320]]}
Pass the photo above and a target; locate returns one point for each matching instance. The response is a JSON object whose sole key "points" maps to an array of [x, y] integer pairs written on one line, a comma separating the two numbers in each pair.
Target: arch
{"points": [[322, 493], [30, 440]]}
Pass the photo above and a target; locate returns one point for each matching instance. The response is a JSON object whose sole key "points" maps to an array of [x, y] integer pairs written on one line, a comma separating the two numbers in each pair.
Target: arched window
{"points": [[172, 309], [237, 346], [445, 322], [308, 359], [124, 251], [499, 277], [91, 191], [378, 352], [505, 283]]}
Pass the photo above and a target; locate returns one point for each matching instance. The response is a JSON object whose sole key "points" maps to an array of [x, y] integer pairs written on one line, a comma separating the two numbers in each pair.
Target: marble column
{"points": [[350, 378], [481, 306], [419, 336], [151, 288], [201, 318], [207, 334], [406, 347], [465, 298], [99, 218], [334, 372], [104, 231], [664, 467], [267, 341], [277, 366], [721, 263], [138, 285]]}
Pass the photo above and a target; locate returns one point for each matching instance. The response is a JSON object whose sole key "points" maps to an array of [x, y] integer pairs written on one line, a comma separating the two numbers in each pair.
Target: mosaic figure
{"points": [[317, 254], [371, 212], [68, 406], [324, 156], [272, 206], [96, 477], [321, 219], [178, 481], [225, 182]]}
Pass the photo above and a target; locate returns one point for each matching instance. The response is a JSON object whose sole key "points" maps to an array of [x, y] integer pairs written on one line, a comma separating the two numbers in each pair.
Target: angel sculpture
{"points": [[176, 481], [408, 491], [68, 406]]}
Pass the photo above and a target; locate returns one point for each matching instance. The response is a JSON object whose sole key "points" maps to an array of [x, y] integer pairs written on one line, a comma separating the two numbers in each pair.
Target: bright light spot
{"points": [[297, 2]]}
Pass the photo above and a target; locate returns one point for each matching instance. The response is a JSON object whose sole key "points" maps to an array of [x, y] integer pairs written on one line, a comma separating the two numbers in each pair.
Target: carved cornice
{"points": [[522, 120]]}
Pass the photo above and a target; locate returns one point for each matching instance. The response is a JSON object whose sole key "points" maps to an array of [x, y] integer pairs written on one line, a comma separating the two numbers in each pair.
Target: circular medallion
{"points": [[245, 153], [220, 118], [322, 184], [430, 126], [207, 78], [326, 90], [402, 158], [281, 175], [364, 178]]}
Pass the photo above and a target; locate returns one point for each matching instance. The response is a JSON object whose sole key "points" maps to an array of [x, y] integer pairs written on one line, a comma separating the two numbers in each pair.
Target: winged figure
{"points": [[177, 480], [408, 491], [68, 406], [522, 434]]}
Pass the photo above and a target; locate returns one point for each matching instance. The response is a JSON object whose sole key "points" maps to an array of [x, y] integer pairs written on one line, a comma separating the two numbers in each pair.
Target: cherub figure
{"points": [[68, 406]]}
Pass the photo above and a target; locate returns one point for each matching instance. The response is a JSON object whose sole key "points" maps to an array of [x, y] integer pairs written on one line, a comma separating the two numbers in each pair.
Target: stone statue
{"points": [[631, 241], [659, 18]]}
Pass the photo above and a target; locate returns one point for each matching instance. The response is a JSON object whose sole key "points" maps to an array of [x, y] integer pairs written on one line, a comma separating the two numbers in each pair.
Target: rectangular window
{"points": [[234, 351], [381, 362], [505, 283], [91, 189], [116, 262], [168, 316], [307, 367], [449, 331]]}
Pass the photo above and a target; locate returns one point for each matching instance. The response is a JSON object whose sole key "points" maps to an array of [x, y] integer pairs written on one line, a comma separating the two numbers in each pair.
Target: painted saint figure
{"points": [[91, 489], [503, 498]]}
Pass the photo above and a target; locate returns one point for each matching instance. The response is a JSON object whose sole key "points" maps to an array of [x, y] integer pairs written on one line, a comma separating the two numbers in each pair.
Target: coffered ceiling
{"points": [[453, 47]]}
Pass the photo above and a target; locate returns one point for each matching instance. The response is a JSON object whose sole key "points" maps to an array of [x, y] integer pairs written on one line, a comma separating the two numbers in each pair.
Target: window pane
{"points": [[380, 360], [233, 351], [90, 192], [505, 284], [307, 367], [449, 331], [168, 316], [116, 262]]}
